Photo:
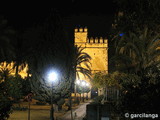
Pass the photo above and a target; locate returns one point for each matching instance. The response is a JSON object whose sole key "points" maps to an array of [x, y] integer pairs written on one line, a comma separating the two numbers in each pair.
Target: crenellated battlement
{"points": [[94, 42], [81, 36], [81, 29], [97, 40]]}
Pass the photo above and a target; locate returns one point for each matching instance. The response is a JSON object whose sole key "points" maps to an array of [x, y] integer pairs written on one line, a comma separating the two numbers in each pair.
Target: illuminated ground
{"points": [[38, 112], [78, 113], [42, 112]]}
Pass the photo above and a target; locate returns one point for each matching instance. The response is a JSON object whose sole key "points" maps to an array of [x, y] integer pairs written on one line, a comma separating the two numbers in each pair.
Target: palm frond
{"points": [[82, 62], [141, 48], [84, 71]]}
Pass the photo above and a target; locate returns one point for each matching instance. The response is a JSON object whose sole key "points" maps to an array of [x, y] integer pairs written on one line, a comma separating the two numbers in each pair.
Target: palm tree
{"points": [[139, 50], [81, 64]]}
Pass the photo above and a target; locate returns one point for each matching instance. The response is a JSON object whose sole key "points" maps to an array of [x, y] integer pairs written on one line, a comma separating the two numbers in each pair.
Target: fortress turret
{"points": [[80, 35]]}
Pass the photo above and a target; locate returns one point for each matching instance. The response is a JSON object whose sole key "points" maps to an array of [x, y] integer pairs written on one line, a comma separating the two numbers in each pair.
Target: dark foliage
{"points": [[5, 107], [50, 50], [141, 96], [11, 91]]}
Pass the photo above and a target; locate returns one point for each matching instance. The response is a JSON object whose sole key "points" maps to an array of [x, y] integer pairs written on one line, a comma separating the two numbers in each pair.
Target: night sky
{"points": [[97, 16]]}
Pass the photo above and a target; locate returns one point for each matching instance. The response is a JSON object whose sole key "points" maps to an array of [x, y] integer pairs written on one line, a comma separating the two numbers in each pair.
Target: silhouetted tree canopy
{"points": [[50, 50]]}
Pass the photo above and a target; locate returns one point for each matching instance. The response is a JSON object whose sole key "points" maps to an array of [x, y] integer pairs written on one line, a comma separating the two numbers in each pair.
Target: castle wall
{"points": [[98, 53], [97, 48]]}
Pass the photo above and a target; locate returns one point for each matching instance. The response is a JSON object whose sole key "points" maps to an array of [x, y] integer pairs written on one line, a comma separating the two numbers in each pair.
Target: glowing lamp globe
{"points": [[83, 83], [52, 76], [87, 84], [78, 82]]}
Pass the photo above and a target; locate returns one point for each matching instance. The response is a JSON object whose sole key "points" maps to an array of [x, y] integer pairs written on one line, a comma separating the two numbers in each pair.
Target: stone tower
{"points": [[96, 47]]}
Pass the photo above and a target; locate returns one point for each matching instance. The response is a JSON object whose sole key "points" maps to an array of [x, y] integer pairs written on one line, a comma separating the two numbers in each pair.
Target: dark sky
{"points": [[96, 15]]}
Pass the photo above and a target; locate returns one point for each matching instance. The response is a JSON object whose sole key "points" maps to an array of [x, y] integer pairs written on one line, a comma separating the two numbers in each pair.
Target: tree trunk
{"points": [[70, 100], [59, 107], [16, 73], [28, 110], [80, 97], [104, 95]]}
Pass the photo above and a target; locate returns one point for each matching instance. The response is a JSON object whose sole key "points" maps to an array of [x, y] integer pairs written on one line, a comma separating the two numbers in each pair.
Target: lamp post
{"points": [[52, 76], [77, 83]]}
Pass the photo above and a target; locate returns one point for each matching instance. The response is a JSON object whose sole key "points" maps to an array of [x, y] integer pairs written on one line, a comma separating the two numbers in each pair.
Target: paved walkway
{"points": [[78, 113]]}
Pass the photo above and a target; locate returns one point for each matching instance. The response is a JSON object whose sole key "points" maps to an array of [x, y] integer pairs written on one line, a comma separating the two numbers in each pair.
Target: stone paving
{"points": [[78, 113]]}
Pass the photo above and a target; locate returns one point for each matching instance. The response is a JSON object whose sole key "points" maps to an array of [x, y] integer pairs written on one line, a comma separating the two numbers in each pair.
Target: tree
{"points": [[81, 64], [140, 49], [10, 91], [133, 16], [134, 93], [5, 109], [6, 35], [51, 49], [129, 93], [137, 14], [136, 52], [83, 88], [104, 81], [139, 93], [6, 53]]}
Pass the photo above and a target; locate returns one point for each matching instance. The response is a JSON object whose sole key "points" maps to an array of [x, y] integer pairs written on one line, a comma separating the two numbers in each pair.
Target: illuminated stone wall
{"points": [[97, 48]]}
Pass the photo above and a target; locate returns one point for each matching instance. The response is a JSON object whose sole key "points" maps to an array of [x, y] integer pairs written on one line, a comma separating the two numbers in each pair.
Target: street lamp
{"points": [[52, 77], [76, 83], [82, 84]]}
